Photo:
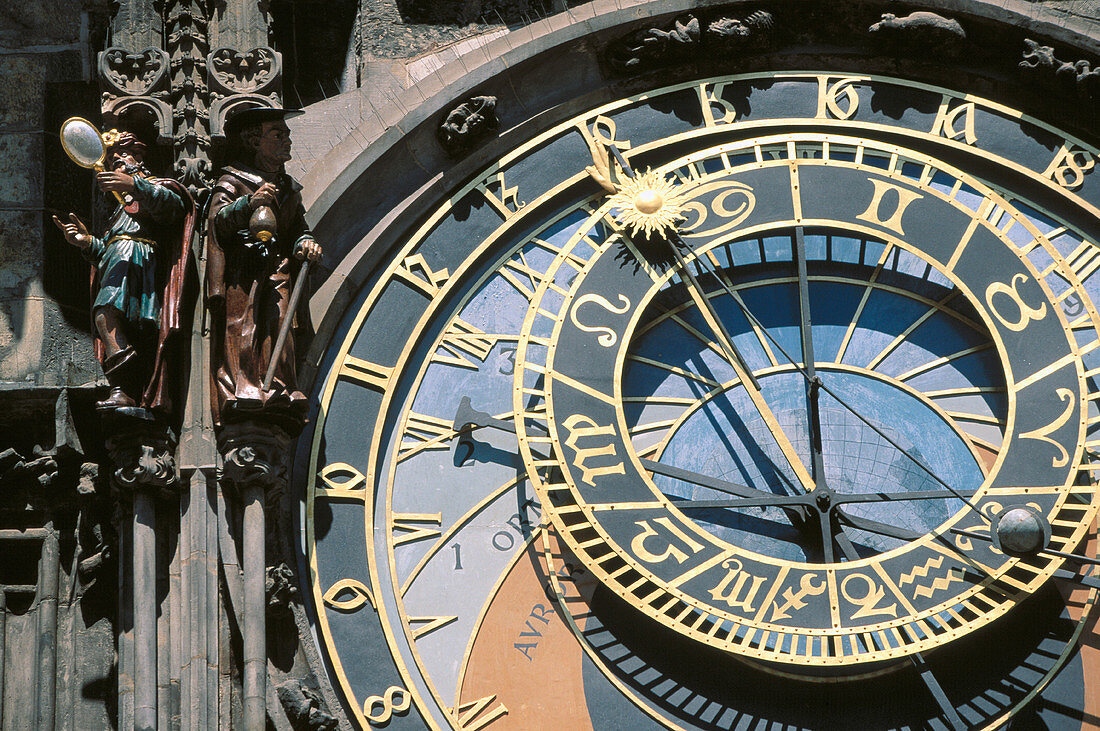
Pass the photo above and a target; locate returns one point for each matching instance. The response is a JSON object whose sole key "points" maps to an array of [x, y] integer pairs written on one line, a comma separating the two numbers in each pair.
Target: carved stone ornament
{"points": [[228, 106], [250, 72], [253, 452], [688, 38], [1076, 75], [731, 34], [143, 457], [919, 33], [468, 124], [304, 707], [133, 74], [281, 588]]}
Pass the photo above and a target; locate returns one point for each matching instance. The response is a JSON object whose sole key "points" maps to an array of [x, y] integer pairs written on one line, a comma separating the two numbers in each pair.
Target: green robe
{"points": [[126, 264]]}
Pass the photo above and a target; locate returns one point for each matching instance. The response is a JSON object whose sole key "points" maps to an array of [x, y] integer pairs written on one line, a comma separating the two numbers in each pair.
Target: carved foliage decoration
{"points": [[143, 458], [468, 124], [1078, 76], [235, 72], [187, 45], [253, 452], [689, 38], [135, 81], [242, 80], [133, 74]]}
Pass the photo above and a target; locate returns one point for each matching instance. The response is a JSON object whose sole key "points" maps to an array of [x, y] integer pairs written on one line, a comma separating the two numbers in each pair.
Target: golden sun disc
{"points": [[648, 203]]}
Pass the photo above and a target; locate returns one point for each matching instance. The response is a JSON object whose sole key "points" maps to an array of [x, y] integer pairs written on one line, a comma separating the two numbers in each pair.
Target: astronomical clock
{"points": [[747, 401]]}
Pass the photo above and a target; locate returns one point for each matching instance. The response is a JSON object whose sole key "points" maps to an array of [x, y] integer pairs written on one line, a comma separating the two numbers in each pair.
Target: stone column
{"points": [[142, 453], [254, 466]]}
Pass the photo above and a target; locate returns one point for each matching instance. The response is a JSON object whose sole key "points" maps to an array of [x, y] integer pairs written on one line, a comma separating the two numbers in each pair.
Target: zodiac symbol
{"points": [[608, 337]]}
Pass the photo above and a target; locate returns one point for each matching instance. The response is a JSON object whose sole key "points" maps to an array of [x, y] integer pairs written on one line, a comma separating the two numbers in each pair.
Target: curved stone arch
{"points": [[365, 193]]}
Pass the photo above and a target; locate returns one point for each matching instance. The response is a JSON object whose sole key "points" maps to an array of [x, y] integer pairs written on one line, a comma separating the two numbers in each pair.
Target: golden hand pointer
{"points": [[645, 202]]}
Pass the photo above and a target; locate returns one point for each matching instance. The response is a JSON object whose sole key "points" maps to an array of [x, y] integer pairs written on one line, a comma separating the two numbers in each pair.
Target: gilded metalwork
{"points": [[484, 371]]}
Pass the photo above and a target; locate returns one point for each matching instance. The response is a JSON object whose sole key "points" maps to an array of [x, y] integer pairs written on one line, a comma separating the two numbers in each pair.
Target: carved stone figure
{"points": [[467, 124], [652, 46], [685, 39], [732, 34], [1079, 76], [140, 264], [304, 707], [251, 270], [281, 589], [919, 33]]}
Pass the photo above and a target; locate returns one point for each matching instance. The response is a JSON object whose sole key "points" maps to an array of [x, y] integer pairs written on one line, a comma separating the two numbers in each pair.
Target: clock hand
{"points": [[817, 459], [820, 384], [813, 382], [873, 526], [732, 354], [837, 499], [800, 504], [468, 418], [737, 361]]}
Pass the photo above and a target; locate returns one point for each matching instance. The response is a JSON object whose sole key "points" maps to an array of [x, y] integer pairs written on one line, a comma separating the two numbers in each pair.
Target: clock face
{"points": [[800, 415]]}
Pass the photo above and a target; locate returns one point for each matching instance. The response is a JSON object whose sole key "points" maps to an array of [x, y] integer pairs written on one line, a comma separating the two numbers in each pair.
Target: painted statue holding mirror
{"points": [[139, 261]]}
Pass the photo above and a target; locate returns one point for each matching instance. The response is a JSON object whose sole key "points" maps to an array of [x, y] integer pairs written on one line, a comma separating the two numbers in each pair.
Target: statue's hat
{"points": [[255, 115]]}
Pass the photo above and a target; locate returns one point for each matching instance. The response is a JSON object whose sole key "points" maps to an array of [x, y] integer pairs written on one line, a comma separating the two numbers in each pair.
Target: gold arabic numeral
{"points": [[423, 432], [463, 342], [1070, 165], [415, 271], [427, 625], [838, 99], [502, 197], [348, 595], [948, 118], [710, 99], [396, 700], [887, 210], [867, 594], [796, 600], [581, 427], [342, 482], [536, 622], [477, 714], [607, 337], [1024, 313], [738, 588], [409, 525], [599, 137], [672, 550], [1043, 433], [365, 373]]}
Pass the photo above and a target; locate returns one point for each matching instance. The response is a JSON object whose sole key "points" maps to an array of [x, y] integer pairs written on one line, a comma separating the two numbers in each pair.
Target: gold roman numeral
{"points": [[407, 523], [503, 198], [477, 714], [414, 270], [428, 625], [423, 432], [366, 373], [461, 340]]}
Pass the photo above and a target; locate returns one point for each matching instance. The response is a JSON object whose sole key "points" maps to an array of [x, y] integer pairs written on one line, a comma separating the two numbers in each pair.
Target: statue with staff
{"points": [[140, 266], [260, 249]]}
